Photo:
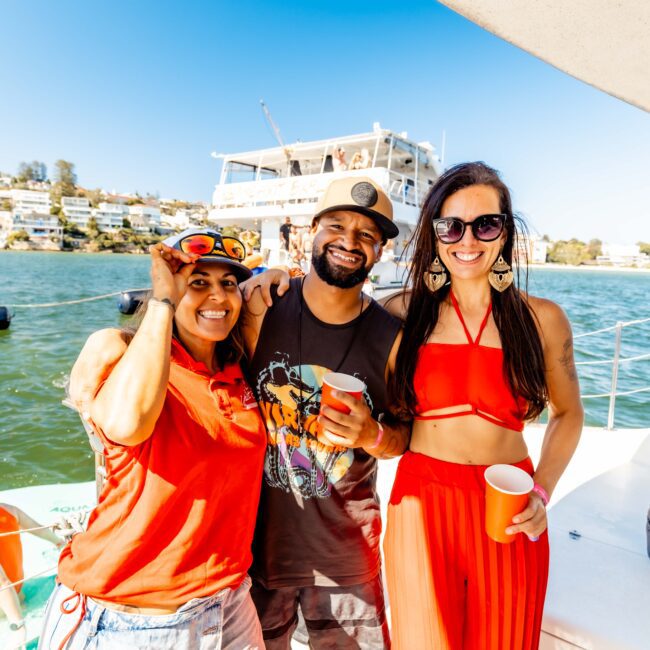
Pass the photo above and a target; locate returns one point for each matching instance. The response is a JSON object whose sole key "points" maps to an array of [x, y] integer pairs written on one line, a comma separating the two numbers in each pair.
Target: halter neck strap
{"points": [[454, 302]]}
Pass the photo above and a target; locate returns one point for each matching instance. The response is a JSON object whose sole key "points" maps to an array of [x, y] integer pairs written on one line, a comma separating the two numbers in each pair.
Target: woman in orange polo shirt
{"points": [[164, 559]]}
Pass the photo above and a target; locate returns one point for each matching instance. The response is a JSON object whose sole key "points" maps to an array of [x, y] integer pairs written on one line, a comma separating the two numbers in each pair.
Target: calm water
{"points": [[41, 441]]}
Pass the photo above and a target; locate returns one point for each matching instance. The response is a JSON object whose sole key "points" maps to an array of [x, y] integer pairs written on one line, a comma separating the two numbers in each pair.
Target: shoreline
{"points": [[532, 266], [572, 267]]}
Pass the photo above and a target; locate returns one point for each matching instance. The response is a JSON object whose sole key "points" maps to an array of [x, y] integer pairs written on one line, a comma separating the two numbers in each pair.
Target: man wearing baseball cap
{"points": [[316, 549]]}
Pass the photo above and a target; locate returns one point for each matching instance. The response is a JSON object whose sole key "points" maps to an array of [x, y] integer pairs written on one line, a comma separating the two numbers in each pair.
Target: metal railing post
{"points": [[612, 395]]}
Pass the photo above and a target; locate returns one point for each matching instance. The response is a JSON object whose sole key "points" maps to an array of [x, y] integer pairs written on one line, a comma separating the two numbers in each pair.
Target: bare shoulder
{"points": [[548, 313], [552, 322], [397, 304]]}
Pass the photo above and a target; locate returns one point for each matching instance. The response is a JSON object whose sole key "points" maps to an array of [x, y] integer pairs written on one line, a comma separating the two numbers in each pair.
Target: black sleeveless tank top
{"points": [[319, 521]]}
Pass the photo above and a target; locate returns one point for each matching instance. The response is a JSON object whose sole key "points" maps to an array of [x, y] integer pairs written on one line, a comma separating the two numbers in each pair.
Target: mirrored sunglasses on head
{"points": [[487, 227], [212, 244]]}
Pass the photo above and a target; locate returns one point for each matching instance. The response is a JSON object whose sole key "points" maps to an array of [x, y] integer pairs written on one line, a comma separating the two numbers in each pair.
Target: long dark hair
{"points": [[230, 350], [523, 359]]}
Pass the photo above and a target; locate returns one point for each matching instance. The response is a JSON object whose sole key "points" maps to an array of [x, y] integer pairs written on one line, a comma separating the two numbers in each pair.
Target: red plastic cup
{"points": [[344, 383], [506, 494]]}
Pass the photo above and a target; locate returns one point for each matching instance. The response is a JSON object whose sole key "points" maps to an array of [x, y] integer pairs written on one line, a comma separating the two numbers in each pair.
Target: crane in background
{"points": [[272, 124]]}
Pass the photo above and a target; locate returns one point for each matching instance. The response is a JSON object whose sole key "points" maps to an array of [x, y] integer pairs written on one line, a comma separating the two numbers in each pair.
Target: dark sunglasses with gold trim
{"points": [[487, 227]]}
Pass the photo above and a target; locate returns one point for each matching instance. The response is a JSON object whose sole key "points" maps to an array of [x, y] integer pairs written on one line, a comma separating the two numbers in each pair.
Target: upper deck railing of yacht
{"points": [[300, 172]]}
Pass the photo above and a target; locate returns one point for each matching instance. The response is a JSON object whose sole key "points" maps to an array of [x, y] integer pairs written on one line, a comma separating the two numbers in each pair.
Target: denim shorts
{"points": [[226, 620]]}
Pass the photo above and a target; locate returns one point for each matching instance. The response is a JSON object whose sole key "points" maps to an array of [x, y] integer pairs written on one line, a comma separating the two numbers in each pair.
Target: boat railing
{"points": [[274, 191], [615, 362], [404, 189]]}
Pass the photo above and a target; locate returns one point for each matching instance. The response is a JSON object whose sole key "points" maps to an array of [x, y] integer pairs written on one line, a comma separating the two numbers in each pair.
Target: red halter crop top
{"points": [[460, 374]]}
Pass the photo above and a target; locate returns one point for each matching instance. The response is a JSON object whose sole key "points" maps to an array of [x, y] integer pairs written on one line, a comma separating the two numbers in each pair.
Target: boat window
{"points": [[239, 172], [267, 173]]}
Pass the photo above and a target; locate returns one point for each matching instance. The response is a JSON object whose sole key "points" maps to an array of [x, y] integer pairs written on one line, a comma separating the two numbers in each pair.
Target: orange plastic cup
{"points": [[344, 383], [506, 494]]}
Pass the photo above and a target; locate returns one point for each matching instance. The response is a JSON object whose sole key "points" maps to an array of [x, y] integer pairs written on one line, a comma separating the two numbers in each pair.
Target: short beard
{"points": [[335, 276]]}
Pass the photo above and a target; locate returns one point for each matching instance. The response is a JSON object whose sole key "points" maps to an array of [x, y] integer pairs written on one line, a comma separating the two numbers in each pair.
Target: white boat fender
{"points": [[647, 531], [129, 301], [5, 318]]}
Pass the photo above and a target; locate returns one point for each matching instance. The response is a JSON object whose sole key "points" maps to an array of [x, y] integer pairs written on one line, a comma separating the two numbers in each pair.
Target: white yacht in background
{"points": [[259, 189]]}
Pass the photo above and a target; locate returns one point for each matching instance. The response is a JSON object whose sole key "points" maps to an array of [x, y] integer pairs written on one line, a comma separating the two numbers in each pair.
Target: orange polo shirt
{"points": [[176, 516], [11, 549]]}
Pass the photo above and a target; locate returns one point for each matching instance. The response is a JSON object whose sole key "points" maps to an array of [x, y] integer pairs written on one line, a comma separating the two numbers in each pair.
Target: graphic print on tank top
{"points": [[296, 461]]}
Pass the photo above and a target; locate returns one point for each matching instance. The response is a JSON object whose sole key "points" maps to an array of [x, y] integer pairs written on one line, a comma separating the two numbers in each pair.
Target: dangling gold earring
{"points": [[500, 277], [436, 277]]}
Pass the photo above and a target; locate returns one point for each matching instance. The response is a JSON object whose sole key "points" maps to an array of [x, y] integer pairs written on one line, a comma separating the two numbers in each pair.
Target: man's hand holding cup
{"points": [[345, 418]]}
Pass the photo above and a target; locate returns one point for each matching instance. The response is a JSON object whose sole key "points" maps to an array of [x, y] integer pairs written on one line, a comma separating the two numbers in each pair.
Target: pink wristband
{"points": [[378, 439], [542, 493]]}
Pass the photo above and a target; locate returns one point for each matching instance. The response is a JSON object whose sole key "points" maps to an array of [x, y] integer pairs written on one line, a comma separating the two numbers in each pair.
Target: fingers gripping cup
{"points": [[506, 494], [341, 382]]}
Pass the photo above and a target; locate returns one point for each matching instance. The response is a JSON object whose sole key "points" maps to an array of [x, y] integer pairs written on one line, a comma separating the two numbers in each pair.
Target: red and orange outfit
{"points": [[176, 517], [11, 550], [450, 586]]}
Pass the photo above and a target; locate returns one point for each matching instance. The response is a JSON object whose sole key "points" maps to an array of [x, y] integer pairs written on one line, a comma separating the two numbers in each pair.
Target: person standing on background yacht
{"points": [[339, 160], [316, 548], [285, 233]]}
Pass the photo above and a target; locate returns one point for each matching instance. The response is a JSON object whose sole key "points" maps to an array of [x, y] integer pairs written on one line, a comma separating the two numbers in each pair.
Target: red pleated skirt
{"points": [[450, 586]]}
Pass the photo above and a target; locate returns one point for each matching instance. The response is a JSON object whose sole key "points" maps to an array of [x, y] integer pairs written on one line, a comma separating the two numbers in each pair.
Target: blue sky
{"points": [[137, 95]]}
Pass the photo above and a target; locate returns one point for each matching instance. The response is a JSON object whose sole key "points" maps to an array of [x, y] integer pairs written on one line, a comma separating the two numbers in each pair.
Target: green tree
{"points": [[34, 171], [106, 242], [95, 197], [594, 248], [25, 173], [92, 228], [70, 228], [18, 235], [5, 204], [65, 179], [644, 247], [568, 252]]}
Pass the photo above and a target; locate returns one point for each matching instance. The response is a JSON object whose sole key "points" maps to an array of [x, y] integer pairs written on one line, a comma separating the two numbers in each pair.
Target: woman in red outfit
{"points": [[479, 357], [164, 559]]}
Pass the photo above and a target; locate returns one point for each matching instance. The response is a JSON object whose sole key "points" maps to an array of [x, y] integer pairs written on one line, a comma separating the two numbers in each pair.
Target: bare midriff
{"points": [[466, 439]]}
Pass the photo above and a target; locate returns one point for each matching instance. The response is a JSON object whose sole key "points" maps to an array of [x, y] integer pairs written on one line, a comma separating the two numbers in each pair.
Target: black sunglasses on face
{"points": [[487, 227]]}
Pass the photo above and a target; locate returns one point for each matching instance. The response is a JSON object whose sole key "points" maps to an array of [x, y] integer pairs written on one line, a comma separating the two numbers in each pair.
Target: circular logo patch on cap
{"points": [[364, 194]]}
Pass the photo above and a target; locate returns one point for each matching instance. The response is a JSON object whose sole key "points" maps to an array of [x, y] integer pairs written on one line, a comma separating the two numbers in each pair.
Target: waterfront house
{"points": [[144, 218], [77, 210], [30, 201], [44, 230], [110, 216]]}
